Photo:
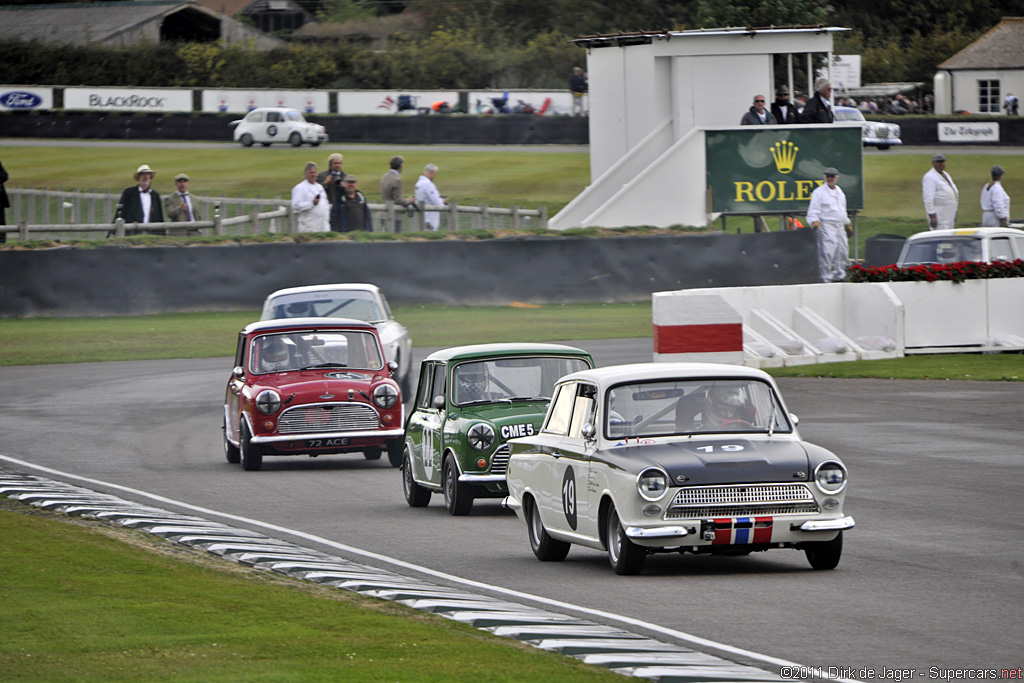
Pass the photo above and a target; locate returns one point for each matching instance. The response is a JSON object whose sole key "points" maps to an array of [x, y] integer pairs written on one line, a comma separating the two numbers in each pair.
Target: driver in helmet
{"points": [[298, 309], [947, 252], [724, 406], [472, 384], [273, 355]]}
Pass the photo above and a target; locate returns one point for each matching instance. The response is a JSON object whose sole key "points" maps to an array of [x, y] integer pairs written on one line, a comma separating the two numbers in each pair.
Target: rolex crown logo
{"points": [[785, 156]]}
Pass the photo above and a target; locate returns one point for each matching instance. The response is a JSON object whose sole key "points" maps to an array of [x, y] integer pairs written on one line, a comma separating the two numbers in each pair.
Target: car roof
{"points": [[473, 351], [339, 287], [281, 324], [642, 372], [272, 109], [965, 232]]}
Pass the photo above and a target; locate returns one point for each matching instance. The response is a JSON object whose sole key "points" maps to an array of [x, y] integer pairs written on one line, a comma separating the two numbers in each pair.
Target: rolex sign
{"points": [[776, 168]]}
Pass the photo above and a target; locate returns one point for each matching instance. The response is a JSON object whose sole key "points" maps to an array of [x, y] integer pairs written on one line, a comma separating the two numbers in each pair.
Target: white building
{"points": [[651, 94], [978, 78]]}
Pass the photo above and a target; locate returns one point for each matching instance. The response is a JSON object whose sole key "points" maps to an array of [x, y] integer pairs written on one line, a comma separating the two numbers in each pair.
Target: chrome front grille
{"points": [[499, 461], [742, 501], [328, 417]]}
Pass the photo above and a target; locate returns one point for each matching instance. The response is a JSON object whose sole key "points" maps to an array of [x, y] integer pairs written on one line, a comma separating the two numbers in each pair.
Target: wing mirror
{"points": [[794, 419], [438, 402], [238, 372], [392, 367], [589, 432]]}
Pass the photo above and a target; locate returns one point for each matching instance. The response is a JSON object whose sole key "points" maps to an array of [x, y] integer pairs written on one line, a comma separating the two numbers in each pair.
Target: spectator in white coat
{"points": [[941, 198], [309, 202], [426, 193], [827, 214], [995, 203]]}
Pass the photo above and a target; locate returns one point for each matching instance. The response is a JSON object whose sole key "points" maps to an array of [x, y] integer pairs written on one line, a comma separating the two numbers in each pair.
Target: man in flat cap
{"points": [[180, 206], [141, 203], [941, 198], [783, 110], [827, 214], [995, 203]]}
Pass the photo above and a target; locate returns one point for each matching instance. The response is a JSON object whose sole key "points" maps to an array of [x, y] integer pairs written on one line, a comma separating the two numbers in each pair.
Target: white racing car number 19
{"points": [[569, 497]]}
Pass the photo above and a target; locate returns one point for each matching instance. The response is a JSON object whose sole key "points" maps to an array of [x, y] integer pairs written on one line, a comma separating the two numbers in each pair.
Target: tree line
{"points": [[462, 44]]}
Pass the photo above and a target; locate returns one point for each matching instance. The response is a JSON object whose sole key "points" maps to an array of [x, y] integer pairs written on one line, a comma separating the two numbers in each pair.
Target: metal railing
{"points": [[59, 214]]}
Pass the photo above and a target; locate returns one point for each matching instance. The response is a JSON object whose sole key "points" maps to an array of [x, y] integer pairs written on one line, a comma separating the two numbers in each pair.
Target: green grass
{"points": [[81, 604], [38, 341]]}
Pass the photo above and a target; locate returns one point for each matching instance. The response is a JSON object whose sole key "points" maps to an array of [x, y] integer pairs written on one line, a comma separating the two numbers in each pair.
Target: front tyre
{"points": [[626, 557], [246, 140], [295, 139], [415, 495], [251, 456], [824, 554], [231, 451], [546, 549], [458, 497], [396, 449], [372, 453]]}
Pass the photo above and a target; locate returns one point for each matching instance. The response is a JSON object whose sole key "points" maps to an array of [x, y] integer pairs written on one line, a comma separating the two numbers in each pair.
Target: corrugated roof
{"points": [[1000, 48], [80, 23]]}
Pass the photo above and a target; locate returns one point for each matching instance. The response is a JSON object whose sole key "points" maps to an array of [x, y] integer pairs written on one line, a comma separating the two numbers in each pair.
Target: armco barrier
{"points": [[546, 270], [821, 323]]}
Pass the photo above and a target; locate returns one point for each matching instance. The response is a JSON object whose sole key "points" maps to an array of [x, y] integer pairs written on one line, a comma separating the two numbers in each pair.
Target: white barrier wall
{"points": [[802, 324], [241, 101]]}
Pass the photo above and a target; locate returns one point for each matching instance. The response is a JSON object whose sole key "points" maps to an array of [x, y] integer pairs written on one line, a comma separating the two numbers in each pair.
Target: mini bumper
{"points": [[482, 478], [881, 141], [367, 434]]}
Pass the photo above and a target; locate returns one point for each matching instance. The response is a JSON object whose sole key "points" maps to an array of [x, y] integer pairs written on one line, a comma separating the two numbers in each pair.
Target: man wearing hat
{"points": [[827, 214], [995, 203], [180, 206], [140, 203], [783, 110], [941, 198], [351, 213]]}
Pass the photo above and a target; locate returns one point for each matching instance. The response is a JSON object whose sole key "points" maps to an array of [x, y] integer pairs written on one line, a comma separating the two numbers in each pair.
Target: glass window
{"points": [[287, 352], [999, 249], [356, 304], [294, 116], [561, 410], [437, 387], [518, 378], [988, 95], [254, 117], [666, 408], [583, 409]]}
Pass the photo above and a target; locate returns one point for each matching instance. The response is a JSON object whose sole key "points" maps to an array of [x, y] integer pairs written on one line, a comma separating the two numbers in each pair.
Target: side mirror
{"points": [[794, 419], [589, 432], [438, 402], [392, 367], [238, 372]]}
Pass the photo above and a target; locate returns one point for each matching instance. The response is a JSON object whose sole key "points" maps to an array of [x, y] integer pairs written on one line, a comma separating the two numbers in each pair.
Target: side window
{"points": [[560, 412], [584, 409], [273, 117], [255, 117], [999, 249], [437, 386], [423, 388], [240, 351], [1018, 245]]}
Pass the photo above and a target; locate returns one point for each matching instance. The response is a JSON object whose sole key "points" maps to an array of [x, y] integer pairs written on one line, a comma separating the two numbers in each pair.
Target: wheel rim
{"points": [[534, 525], [407, 475], [614, 547], [449, 486]]}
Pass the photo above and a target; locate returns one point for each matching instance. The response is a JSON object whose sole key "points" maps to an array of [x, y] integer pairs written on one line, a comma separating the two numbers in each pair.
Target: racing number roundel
{"points": [[569, 497], [271, 131]]}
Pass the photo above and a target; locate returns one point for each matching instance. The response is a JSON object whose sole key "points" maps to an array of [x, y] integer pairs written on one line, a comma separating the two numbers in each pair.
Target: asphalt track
{"points": [[932, 577]]}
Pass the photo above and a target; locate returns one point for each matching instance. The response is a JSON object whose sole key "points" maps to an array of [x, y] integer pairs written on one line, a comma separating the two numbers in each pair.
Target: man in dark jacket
{"points": [[819, 106], [351, 212], [783, 110], [140, 203], [758, 115], [4, 202]]}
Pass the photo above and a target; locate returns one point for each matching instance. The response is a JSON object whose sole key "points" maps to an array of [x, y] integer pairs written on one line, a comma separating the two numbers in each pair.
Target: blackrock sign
{"points": [[775, 170]]}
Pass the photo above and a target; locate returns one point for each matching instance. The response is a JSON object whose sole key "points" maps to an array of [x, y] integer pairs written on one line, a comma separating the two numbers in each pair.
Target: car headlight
{"points": [[268, 401], [385, 396], [481, 436], [652, 484], [830, 477]]}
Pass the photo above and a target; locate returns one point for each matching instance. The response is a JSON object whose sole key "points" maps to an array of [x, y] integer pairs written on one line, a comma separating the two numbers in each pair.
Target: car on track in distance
{"points": [[962, 244], [874, 133], [470, 401], [311, 386], [267, 125], [349, 300], [675, 457]]}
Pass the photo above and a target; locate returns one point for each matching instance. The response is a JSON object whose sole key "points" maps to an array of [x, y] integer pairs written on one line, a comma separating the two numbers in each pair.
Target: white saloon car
{"points": [[675, 457], [875, 133], [962, 244], [350, 300], [268, 125]]}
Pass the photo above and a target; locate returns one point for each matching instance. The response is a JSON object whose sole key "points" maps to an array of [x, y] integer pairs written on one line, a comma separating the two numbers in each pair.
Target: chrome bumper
{"points": [[371, 433], [482, 478], [658, 532], [827, 524]]}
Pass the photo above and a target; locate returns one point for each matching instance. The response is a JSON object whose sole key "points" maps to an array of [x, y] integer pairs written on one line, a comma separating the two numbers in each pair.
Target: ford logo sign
{"points": [[18, 99]]}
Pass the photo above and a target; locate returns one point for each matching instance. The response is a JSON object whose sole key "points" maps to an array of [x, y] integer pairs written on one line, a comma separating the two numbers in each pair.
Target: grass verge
{"points": [[39, 341], [86, 602]]}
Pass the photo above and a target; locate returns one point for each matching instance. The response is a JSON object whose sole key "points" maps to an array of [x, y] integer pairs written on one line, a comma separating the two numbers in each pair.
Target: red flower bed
{"points": [[952, 272]]}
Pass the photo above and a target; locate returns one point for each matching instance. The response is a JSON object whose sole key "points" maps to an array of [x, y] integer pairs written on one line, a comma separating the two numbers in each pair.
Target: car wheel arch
{"points": [[602, 518]]}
